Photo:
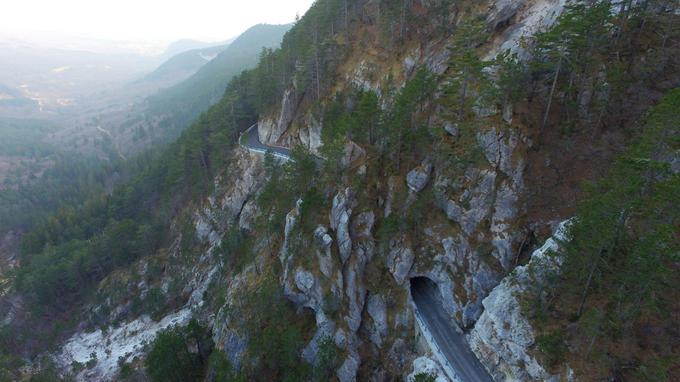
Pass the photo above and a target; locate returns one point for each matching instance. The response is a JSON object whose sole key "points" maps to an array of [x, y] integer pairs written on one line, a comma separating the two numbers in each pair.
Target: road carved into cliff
{"points": [[449, 343], [250, 140]]}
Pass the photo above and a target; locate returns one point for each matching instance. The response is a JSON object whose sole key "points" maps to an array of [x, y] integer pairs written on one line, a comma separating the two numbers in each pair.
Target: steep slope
{"points": [[182, 103], [447, 159], [184, 64], [128, 128], [161, 117]]}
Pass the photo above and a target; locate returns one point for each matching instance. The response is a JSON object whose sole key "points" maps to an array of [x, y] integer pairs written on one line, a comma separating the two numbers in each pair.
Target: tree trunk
{"points": [[587, 287], [552, 93], [463, 94], [403, 19], [316, 64], [346, 17], [399, 149]]}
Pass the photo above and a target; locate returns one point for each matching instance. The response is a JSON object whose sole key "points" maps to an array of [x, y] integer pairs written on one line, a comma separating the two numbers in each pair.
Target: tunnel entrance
{"points": [[424, 289], [446, 341]]}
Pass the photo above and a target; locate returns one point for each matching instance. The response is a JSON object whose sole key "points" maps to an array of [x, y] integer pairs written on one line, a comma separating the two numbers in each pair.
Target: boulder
{"points": [[418, 178], [343, 237], [362, 236], [389, 199], [310, 135], [437, 60], [505, 239], [452, 129], [399, 261], [409, 65], [399, 354], [356, 294], [341, 204], [352, 153]]}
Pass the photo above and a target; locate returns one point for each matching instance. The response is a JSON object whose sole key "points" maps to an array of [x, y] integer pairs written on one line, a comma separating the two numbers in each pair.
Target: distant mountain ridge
{"points": [[184, 64], [185, 45], [180, 104]]}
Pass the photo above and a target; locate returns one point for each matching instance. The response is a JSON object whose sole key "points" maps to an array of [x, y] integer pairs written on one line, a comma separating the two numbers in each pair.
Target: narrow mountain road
{"points": [[450, 341], [250, 140]]}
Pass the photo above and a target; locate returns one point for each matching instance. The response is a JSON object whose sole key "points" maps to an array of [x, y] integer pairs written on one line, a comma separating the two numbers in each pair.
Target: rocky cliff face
{"points": [[467, 224], [503, 338], [106, 348], [469, 247]]}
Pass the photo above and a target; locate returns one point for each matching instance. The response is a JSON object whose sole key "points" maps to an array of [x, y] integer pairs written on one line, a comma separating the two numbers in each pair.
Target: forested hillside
{"points": [[44, 177], [185, 64], [179, 105], [439, 140]]}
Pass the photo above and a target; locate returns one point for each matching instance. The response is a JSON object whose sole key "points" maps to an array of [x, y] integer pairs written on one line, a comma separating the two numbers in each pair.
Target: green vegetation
{"points": [[276, 337], [275, 341], [552, 346], [25, 137], [404, 129], [41, 178], [395, 132], [69, 252], [181, 104], [574, 45], [621, 262], [328, 360], [619, 268], [586, 57], [424, 377], [467, 69], [184, 62], [288, 182], [179, 354]]}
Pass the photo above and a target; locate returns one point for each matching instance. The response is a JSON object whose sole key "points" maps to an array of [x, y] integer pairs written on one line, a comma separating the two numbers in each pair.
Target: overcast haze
{"points": [[145, 21]]}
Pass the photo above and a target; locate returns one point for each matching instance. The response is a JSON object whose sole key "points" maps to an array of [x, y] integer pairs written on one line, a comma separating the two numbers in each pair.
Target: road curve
{"points": [[250, 140], [450, 341]]}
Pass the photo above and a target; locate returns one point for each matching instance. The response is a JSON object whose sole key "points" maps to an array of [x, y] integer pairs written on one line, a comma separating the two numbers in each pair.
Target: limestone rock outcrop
{"points": [[418, 178], [503, 336], [270, 131]]}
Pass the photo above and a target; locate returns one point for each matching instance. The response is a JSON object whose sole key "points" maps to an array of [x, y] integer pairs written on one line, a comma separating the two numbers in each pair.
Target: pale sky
{"points": [[150, 21]]}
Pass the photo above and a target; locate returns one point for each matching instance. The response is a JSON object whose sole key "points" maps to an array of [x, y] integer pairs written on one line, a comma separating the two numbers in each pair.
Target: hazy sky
{"points": [[146, 20]]}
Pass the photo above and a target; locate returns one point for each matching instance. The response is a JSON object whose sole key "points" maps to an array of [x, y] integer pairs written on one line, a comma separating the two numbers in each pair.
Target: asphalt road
{"points": [[250, 140], [451, 342]]}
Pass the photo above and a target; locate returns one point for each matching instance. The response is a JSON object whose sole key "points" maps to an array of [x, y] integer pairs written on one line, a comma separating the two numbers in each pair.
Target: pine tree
{"points": [[466, 68]]}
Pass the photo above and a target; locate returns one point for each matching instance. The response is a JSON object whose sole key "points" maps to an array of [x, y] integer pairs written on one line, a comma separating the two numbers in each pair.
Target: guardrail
{"points": [[260, 150], [429, 338], [271, 148]]}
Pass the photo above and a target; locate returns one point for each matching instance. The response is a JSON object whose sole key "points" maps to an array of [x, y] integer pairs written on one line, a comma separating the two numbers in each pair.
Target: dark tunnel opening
{"points": [[424, 289]]}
